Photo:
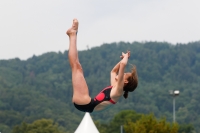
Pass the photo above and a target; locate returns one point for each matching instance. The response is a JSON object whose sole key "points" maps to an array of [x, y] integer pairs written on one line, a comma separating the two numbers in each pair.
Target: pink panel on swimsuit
{"points": [[100, 96]]}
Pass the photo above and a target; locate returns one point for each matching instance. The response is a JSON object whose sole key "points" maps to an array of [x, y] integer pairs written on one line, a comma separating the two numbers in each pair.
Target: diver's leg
{"points": [[80, 88]]}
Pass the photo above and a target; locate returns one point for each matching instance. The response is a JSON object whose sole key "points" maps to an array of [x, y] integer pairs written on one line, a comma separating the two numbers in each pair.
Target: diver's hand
{"points": [[128, 53]]}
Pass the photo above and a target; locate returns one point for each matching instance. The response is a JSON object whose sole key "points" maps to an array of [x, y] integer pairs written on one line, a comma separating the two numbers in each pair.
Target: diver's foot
{"points": [[74, 29]]}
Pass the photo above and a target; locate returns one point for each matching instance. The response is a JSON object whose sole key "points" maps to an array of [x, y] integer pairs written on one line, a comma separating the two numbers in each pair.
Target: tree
{"points": [[41, 86], [38, 126], [119, 119], [186, 128], [149, 124]]}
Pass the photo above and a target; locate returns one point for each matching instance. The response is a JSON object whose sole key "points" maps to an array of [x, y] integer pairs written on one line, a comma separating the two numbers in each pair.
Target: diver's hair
{"points": [[132, 82], [125, 94]]}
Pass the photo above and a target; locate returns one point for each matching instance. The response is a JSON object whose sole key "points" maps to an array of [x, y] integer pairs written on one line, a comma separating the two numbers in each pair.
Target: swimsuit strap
{"points": [[113, 102]]}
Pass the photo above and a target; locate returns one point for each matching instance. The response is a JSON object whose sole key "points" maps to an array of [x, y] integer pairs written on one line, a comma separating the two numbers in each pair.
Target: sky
{"points": [[35, 27]]}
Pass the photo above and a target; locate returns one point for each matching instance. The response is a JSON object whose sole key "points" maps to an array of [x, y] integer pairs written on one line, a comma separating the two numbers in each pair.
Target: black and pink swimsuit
{"points": [[104, 95]]}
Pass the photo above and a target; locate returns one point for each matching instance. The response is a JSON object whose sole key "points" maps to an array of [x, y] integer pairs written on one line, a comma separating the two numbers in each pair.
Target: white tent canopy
{"points": [[87, 125]]}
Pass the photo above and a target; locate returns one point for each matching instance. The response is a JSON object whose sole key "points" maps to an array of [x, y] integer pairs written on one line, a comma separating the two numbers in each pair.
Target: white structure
{"points": [[87, 125]]}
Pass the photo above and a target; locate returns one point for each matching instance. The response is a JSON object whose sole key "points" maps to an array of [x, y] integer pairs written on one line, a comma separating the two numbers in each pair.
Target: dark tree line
{"points": [[40, 87]]}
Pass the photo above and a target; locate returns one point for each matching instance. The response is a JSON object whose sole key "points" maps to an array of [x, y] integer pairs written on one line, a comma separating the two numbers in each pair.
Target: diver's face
{"points": [[126, 76]]}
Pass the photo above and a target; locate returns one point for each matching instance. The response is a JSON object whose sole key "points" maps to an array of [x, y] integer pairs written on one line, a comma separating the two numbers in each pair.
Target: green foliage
{"points": [[119, 119], [41, 87], [4, 128], [38, 126], [186, 128], [133, 122], [102, 127], [149, 124]]}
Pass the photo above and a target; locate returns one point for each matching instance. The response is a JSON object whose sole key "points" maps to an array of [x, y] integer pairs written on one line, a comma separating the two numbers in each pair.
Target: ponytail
{"points": [[125, 94]]}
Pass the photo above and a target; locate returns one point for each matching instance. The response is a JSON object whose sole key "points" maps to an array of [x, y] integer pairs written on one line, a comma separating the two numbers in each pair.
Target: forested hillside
{"points": [[40, 87]]}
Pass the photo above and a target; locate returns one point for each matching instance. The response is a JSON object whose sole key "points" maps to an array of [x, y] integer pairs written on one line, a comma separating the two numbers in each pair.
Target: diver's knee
{"points": [[76, 65]]}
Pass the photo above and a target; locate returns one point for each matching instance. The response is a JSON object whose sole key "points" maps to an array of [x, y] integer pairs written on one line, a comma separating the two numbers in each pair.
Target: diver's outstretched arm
{"points": [[115, 69], [114, 73]]}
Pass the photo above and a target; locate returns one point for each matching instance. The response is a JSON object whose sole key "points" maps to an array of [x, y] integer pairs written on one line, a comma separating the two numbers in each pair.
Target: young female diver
{"points": [[120, 82]]}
